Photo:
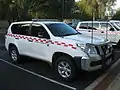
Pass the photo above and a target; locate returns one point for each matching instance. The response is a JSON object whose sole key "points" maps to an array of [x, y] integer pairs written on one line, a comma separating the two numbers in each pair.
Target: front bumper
{"points": [[93, 62]]}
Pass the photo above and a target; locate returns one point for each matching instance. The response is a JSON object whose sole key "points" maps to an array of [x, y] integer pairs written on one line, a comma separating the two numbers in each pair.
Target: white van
{"points": [[103, 29]]}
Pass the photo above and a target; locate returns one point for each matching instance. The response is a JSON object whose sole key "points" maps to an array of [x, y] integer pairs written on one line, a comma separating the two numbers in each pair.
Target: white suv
{"points": [[63, 47], [104, 29]]}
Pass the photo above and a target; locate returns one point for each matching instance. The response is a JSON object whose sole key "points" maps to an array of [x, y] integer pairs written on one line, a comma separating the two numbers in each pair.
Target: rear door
{"points": [[22, 39]]}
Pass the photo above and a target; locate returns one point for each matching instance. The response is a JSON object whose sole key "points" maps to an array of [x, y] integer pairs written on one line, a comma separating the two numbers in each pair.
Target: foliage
{"points": [[3, 8], [117, 15], [95, 8], [27, 9]]}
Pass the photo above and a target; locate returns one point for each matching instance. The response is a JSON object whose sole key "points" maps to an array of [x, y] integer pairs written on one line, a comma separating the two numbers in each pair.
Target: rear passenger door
{"points": [[23, 43], [21, 36]]}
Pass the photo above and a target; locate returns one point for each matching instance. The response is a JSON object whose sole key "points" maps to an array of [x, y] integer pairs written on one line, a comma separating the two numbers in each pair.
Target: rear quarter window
{"points": [[20, 29], [83, 26]]}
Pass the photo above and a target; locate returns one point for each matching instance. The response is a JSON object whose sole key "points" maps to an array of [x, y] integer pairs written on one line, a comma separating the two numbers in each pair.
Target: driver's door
{"points": [[108, 31], [39, 45], [111, 34]]}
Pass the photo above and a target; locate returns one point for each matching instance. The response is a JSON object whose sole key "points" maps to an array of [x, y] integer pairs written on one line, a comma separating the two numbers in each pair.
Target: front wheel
{"points": [[65, 68]]}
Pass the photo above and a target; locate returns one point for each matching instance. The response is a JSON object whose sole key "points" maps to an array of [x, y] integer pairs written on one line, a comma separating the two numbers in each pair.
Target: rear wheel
{"points": [[65, 68], [14, 54]]}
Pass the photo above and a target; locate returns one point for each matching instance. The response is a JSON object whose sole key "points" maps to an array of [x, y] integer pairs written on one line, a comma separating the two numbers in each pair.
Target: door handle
{"points": [[102, 31], [48, 45], [30, 40], [17, 38]]}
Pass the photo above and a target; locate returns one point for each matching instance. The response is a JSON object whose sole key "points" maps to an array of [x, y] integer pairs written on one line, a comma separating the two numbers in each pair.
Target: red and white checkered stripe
{"points": [[42, 40]]}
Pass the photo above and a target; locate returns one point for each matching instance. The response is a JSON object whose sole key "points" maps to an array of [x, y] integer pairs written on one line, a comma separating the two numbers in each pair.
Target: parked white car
{"points": [[64, 48], [104, 29]]}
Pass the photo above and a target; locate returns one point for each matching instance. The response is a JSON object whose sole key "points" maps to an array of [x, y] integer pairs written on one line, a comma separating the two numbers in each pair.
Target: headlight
{"points": [[109, 45], [87, 48], [82, 46], [90, 49]]}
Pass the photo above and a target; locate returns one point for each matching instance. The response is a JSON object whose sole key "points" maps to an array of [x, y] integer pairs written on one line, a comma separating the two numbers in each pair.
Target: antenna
{"points": [[107, 28], [92, 26]]}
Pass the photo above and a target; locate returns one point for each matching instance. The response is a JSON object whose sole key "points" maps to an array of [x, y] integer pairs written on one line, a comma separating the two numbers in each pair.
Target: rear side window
{"points": [[20, 29], [83, 25]]}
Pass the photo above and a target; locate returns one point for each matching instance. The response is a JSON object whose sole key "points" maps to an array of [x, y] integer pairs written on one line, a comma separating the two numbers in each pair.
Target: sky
{"points": [[115, 7], [76, 0], [117, 4]]}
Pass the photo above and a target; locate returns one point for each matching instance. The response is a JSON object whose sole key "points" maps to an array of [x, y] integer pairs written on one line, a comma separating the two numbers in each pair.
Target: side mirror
{"points": [[40, 36], [111, 29], [43, 35]]}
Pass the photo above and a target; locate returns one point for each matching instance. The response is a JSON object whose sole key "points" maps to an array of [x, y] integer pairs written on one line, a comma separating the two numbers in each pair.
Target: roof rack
{"points": [[38, 20]]}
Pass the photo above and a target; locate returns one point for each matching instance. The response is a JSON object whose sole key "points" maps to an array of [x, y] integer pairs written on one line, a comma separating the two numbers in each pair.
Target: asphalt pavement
{"points": [[12, 78], [37, 75]]}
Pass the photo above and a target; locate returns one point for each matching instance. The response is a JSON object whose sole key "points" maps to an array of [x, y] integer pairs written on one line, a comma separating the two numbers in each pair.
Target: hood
{"points": [[83, 39]]}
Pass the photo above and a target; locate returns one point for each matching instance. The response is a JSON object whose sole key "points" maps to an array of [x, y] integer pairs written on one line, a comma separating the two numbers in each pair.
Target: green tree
{"points": [[98, 7], [4, 5], [44, 8], [86, 8], [117, 15]]}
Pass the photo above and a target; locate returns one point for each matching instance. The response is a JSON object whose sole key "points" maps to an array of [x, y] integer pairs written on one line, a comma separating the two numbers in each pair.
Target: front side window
{"points": [[38, 30], [61, 29], [95, 26], [21, 29], [106, 26]]}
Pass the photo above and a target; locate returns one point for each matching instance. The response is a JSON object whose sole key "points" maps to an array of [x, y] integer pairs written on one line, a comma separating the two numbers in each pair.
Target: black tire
{"points": [[14, 49], [68, 60]]}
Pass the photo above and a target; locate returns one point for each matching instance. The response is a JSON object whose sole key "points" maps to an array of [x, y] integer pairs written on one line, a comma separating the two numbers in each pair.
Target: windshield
{"points": [[61, 29], [117, 23], [117, 27]]}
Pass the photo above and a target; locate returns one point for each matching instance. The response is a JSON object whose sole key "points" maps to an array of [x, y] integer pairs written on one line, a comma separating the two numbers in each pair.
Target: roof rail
{"points": [[36, 20]]}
